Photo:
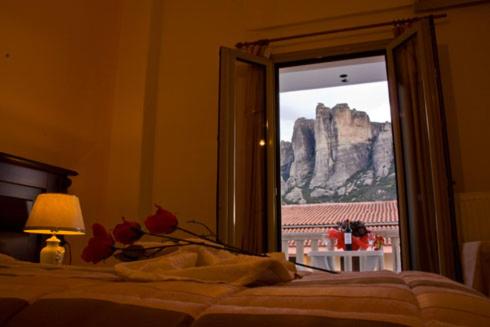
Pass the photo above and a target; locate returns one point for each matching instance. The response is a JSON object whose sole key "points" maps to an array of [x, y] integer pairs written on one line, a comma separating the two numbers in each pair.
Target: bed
{"points": [[32, 294], [36, 295]]}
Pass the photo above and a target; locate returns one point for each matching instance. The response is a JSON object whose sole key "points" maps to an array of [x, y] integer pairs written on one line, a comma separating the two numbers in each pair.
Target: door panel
{"points": [[246, 160], [421, 152], [248, 153]]}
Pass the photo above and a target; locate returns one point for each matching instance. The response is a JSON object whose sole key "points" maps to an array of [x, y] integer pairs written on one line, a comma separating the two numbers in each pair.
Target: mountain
{"points": [[340, 156]]}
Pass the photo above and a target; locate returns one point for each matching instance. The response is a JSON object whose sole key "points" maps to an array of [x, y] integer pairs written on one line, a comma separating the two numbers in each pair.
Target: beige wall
{"points": [[126, 92], [74, 93], [187, 114], [464, 51], [185, 151], [130, 162], [57, 73]]}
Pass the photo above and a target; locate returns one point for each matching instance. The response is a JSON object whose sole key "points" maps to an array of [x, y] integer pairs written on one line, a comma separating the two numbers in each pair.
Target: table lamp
{"points": [[55, 213]]}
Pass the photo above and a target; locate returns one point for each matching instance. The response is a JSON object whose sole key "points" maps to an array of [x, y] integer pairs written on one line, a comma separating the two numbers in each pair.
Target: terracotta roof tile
{"points": [[310, 215], [308, 218]]}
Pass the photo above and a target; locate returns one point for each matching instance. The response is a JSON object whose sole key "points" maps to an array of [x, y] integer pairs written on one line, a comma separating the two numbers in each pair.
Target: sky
{"points": [[369, 97]]}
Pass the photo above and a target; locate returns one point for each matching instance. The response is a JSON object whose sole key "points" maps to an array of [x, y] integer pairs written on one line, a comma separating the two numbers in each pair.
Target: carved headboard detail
{"points": [[21, 180]]}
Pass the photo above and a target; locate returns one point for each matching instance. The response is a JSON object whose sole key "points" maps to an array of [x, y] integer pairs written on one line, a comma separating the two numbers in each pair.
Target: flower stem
{"points": [[193, 234], [220, 243], [211, 233], [315, 268], [228, 248], [219, 247]]}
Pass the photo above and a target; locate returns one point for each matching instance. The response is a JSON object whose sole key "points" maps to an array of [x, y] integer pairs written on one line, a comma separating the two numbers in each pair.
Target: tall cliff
{"points": [[338, 156]]}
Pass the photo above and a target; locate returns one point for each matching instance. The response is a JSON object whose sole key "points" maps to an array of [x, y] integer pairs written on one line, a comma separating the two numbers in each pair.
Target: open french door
{"points": [[427, 220], [246, 199]]}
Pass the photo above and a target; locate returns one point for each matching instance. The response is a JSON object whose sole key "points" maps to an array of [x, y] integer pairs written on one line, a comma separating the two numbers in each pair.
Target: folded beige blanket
{"points": [[208, 265]]}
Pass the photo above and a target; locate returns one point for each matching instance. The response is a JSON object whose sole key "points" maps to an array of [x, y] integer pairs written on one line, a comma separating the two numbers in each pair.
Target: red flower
{"points": [[100, 246], [128, 232], [357, 242], [360, 242], [379, 242], [333, 233], [161, 222]]}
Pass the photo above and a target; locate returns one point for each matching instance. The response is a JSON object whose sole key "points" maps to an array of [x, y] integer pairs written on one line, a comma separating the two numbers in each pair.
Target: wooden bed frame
{"points": [[21, 180]]}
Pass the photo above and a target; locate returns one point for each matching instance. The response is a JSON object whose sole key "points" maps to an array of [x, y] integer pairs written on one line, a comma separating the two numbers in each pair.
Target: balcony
{"points": [[311, 248], [304, 228]]}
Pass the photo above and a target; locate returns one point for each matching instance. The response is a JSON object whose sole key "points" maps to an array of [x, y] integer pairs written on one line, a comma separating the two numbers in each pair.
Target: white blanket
{"points": [[208, 265]]}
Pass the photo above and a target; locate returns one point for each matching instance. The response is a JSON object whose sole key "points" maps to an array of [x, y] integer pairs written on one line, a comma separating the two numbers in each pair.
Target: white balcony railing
{"points": [[316, 241]]}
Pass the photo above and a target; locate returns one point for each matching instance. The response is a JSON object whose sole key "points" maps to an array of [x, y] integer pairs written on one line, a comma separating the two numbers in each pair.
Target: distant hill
{"points": [[340, 156]]}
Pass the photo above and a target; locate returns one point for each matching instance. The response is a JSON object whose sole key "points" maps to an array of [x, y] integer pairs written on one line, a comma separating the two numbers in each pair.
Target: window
{"points": [[337, 163], [249, 199]]}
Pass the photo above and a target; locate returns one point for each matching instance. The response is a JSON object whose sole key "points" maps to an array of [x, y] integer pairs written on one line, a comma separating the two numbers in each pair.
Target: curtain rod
{"points": [[339, 30]]}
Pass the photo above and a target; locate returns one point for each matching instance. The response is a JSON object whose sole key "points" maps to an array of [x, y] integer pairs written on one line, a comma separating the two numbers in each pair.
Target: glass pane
{"points": [[337, 165]]}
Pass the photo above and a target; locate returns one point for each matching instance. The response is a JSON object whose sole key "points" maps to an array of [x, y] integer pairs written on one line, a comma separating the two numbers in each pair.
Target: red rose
{"points": [[128, 232], [339, 235], [360, 242], [332, 233], [100, 246], [379, 242], [161, 222]]}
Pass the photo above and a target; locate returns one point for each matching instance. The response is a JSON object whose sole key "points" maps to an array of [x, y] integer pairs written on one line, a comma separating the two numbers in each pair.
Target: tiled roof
{"points": [[374, 229], [311, 215], [310, 218]]}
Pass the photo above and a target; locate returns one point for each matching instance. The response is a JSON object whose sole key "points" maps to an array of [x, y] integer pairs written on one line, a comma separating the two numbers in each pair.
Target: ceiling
{"points": [[327, 74]]}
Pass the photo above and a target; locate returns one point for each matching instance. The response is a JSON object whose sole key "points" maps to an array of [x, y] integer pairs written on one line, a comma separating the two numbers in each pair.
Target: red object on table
{"points": [[357, 242]]}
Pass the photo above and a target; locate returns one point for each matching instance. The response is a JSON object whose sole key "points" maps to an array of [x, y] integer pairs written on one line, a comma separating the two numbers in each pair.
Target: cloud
{"points": [[373, 98]]}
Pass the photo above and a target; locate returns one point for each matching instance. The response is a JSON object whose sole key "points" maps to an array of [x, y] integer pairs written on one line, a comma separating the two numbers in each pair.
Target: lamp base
{"points": [[52, 253]]}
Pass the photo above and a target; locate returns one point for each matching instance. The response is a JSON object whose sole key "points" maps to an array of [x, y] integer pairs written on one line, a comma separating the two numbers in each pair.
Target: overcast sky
{"points": [[369, 97]]}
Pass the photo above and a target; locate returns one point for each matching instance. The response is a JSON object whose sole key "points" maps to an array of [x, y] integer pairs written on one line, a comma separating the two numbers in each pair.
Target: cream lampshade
{"points": [[55, 213]]}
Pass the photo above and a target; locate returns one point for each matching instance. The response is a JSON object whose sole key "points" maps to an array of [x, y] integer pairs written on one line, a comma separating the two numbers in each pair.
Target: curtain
{"points": [[425, 192], [251, 164]]}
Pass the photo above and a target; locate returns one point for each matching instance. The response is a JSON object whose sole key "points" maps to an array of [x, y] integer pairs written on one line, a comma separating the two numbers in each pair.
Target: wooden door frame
{"points": [[225, 228], [438, 147], [330, 53], [342, 52]]}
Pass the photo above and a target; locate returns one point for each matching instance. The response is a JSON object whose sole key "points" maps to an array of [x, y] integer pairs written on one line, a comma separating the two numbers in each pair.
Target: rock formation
{"points": [[303, 144], [287, 158], [383, 151], [338, 156]]}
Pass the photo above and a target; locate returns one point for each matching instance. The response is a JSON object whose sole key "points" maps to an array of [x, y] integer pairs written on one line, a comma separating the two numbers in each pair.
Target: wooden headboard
{"points": [[21, 180]]}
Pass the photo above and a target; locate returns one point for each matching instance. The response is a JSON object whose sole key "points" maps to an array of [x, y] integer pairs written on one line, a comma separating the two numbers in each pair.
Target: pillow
{"points": [[6, 258]]}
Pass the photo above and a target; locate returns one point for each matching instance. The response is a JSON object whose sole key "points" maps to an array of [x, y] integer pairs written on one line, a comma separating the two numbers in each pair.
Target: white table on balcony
{"points": [[324, 259]]}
